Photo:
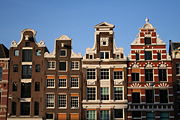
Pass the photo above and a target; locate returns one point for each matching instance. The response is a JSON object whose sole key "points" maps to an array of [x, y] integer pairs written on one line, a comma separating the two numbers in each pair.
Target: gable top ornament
{"points": [[148, 25], [64, 37], [104, 25]]}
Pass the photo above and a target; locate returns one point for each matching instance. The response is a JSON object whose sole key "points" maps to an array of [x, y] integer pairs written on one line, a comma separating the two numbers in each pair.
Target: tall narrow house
{"points": [[4, 71], [63, 82], [26, 78], [175, 54], [104, 77], [150, 83]]}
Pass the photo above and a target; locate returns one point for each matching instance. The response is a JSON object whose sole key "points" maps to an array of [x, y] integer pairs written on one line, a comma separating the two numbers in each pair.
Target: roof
{"points": [[4, 52], [64, 37], [175, 45], [104, 25]]}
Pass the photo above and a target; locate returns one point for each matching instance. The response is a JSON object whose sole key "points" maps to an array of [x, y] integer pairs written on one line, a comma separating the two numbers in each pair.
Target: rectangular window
{"points": [[149, 96], [26, 55], [37, 68], [25, 108], [118, 113], [148, 55], [50, 100], [150, 116], [14, 86], [135, 97], [16, 52], [104, 73], [26, 71], [37, 86], [91, 93], [163, 96], [1, 70], [148, 75], [104, 55], [74, 102], [178, 69], [62, 53], [135, 76], [62, 66], [49, 116], [25, 90], [13, 108], [162, 75], [118, 93], [91, 115], [137, 56], [136, 115], [104, 115], [118, 75], [38, 52], [74, 82], [164, 116], [36, 108], [15, 68], [62, 83], [75, 65], [105, 93], [159, 56], [147, 40], [50, 83], [62, 101], [91, 74], [51, 64]]}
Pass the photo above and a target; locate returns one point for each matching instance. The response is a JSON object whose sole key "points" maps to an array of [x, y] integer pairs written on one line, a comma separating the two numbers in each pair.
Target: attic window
{"points": [[104, 41], [147, 40]]}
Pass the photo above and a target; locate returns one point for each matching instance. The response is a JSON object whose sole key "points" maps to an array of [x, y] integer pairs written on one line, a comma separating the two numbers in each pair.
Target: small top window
{"points": [[16, 52], [104, 41], [63, 53], [38, 52], [147, 40]]}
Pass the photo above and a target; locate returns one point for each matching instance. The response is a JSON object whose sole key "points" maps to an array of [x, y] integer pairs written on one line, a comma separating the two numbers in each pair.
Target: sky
{"points": [[77, 18]]}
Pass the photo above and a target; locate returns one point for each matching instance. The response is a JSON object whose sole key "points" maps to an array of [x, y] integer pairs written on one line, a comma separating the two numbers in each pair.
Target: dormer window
{"points": [[104, 55], [104, 41], [62, 53], [147, 40]]}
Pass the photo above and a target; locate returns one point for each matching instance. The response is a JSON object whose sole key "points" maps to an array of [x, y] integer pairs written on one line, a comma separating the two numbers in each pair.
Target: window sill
{"points": [[62, 108]]}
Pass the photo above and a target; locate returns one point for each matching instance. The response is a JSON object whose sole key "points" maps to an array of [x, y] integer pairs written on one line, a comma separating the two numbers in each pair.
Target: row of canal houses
{"points": [[104, 84]]}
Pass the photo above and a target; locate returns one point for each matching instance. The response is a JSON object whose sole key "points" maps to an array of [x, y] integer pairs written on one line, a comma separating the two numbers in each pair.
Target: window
{"points": [[149, 96], [90, 56], [135, 76], [104, 55], [159, 56], [27, 55], [27, 44], [25, 108], [137, 56], [0, 97], [50, 83], [163, 96], [62, 101], [148, 75], [118, 75], [150, 116], [104, 41], [62, 53], [26, 71], [62, 66], [62, 83], [75, 65], [105, 93], [74, 102], [104, 73], [164, 116], [147, 40], [49, 116], [104, 115], [14, 86], [13, 108], [135, 97], [38, 52], [51, 64], [36, 108], [1, 70], [136, 115], [118, 93], [37, 86], [91, 115], [148, 55], [37, 68], [25, 90], [162, 75], [118, 113], [15, 68], [91, 93], [178, 69], [50, 100], [74, 82], [91, 74], [16, 52]]}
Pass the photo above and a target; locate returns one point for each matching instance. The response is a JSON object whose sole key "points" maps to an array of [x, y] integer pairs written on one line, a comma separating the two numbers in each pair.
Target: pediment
{"points": [[64, 37], [104, 24]]}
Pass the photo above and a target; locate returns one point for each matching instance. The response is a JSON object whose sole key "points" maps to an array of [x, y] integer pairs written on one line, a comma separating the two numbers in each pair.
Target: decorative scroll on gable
{"points": [[162, 66], [149, 66]]}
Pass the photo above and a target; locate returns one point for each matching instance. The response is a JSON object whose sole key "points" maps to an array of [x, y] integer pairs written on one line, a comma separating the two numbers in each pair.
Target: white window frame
{"points": [[65, 53], [118, 71], [50, 65], [122, 92], [66, 66], [59, 81], [105, 110], [52, 101], [94, 71], [16, 51], [104, 52], [108, 93], [105, 71], [95, 93], [75, 65], [104, 39], [77, 102], [52, 82], [95, 114], [66, 101], [75, 81]]}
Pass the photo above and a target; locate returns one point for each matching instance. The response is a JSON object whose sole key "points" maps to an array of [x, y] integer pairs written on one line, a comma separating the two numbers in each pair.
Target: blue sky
{"points": [[77, 18]]}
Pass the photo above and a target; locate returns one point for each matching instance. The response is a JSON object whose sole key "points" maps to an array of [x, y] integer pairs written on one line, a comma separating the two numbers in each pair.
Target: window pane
{"points": [[178, 68], [137, 56], [62, 52], [149, 96], [50, 100], [104, 114], [13, 108], [105, 93], [148, 55], [104, 73], [37, 68], [15, 68], [37, 86], [38, 52], [25, 90], [16, 52], [118, 75], [135, 76], [36, 108], [91, 93], [163, 96], [162, 74], [118, 113], [26, 71], [135, 97], [62, 66], [62, 83], [25, 108], [91, 74], [74, 82], [1, 70], [118, 93], [62, 100], [91, 115], [148, 74], [27, 55], [50, 83], [74, 102], [147, 40]]}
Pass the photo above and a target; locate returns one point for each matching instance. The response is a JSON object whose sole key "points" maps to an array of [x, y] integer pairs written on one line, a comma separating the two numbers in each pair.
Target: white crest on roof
{"points": [[64, 37], [104, 24], [147, 25]]}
